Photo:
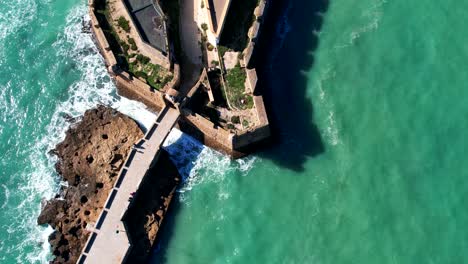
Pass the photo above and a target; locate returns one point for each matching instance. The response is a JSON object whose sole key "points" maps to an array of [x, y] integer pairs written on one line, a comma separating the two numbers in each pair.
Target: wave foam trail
{"points": [[198, 164], [93, 87], [7, 196], [13, 18]]}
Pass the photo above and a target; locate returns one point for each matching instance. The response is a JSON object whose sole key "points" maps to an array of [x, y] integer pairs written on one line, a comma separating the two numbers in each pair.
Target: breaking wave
{"points": [[93, 87], [75, 49]]}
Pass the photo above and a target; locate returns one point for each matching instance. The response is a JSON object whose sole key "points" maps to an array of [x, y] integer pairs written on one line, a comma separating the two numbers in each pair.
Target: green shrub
{"points": [[230, 126], [142, 59], [215, 62], [202, 5], [132, 67], [209, 46], [204, 26], [123, 23], [132, 44], [125, 46], [245, 123], [235, 85], [235, 119], [222, 50], [141, 74]]}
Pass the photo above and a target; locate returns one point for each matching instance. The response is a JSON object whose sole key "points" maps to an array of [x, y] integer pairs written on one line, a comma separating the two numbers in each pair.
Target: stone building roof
{"points": [[150, 21]]}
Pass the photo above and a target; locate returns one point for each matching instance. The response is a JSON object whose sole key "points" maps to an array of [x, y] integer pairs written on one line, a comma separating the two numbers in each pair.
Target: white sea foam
{"points": [[372, 17], [13, 16], [94, 87], [200, 164], [196, 162], [6, 192], [331, 132]]}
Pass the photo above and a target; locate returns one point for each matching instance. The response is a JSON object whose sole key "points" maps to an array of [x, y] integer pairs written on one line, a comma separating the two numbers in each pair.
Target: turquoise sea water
{"points": [[368, 101]]}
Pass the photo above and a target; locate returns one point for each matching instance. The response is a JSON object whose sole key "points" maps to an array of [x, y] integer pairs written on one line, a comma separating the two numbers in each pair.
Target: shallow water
{"points": [[366, 97]]}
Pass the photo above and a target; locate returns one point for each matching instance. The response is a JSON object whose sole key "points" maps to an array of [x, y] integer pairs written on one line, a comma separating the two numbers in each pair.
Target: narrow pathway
{"points": [[109, 243]]}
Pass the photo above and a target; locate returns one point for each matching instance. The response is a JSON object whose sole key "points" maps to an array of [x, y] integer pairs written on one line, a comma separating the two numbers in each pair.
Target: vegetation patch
{"points": [[222, 50], [235, 86], [133, 45], [209, 46], [123, 23], [136, 64], [235, 119]]}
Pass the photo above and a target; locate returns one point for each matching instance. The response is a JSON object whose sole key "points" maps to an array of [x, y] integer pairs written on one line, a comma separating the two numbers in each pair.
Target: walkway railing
{"points": [[144, 153]]}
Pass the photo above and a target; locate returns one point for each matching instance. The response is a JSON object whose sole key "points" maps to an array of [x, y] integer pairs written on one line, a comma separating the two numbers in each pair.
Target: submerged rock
{"points": [[90, 158]]}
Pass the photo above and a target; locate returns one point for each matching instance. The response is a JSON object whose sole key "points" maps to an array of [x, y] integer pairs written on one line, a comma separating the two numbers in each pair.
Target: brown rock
{"points": [[90, 157]]}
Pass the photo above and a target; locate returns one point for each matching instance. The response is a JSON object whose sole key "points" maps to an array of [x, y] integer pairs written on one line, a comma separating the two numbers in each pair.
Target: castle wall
{"points": [[135, 89]]}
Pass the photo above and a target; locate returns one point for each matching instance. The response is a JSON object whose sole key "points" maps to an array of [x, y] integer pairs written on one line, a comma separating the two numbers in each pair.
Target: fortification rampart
{"points": [[232, 142], [136, 89], [101, 40], [127, 85], [254, 31]]}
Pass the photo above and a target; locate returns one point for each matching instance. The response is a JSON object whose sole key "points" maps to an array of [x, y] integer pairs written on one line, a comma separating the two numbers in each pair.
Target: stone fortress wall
{"points": [[127, 85], [233, 143]]}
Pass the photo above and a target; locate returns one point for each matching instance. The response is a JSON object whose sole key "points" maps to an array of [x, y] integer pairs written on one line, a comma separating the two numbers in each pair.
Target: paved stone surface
{"points": [[111, 242]]}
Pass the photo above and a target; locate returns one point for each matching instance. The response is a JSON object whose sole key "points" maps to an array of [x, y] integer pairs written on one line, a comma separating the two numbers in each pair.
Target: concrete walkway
{"points": [[109, 243]]}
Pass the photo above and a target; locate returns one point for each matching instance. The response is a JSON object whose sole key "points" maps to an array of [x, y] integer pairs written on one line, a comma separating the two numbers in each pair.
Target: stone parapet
{"points": [[251, 80], [261, 111], [207, 133], [135, 89], [101, 40], [246, 140], [255, 30], [175, 82]]}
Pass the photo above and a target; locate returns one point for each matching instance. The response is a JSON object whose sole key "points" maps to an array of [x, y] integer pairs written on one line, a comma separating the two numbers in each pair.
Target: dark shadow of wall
{"points": [[158, 254], [238, 21], [281, 66], [142, 215]]}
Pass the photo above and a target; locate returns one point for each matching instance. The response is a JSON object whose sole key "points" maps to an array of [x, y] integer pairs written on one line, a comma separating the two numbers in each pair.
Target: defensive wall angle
{"points": [[140, 43], [224, 109]]}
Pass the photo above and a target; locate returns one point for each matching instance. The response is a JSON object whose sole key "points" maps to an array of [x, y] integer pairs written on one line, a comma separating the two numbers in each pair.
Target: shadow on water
{"points": [[184, 162], [281, 70], [282, 67], [159, 253]]}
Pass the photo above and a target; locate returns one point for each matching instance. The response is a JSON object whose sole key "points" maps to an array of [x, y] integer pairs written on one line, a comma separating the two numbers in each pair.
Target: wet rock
{"points": [[89, 159]]}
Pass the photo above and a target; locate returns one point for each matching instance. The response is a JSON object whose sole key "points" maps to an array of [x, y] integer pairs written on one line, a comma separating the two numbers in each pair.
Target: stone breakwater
{"points": [[90, 158]]}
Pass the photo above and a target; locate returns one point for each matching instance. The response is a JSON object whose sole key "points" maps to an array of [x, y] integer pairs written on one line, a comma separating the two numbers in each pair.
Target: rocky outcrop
{"points": [[90, 158]]}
